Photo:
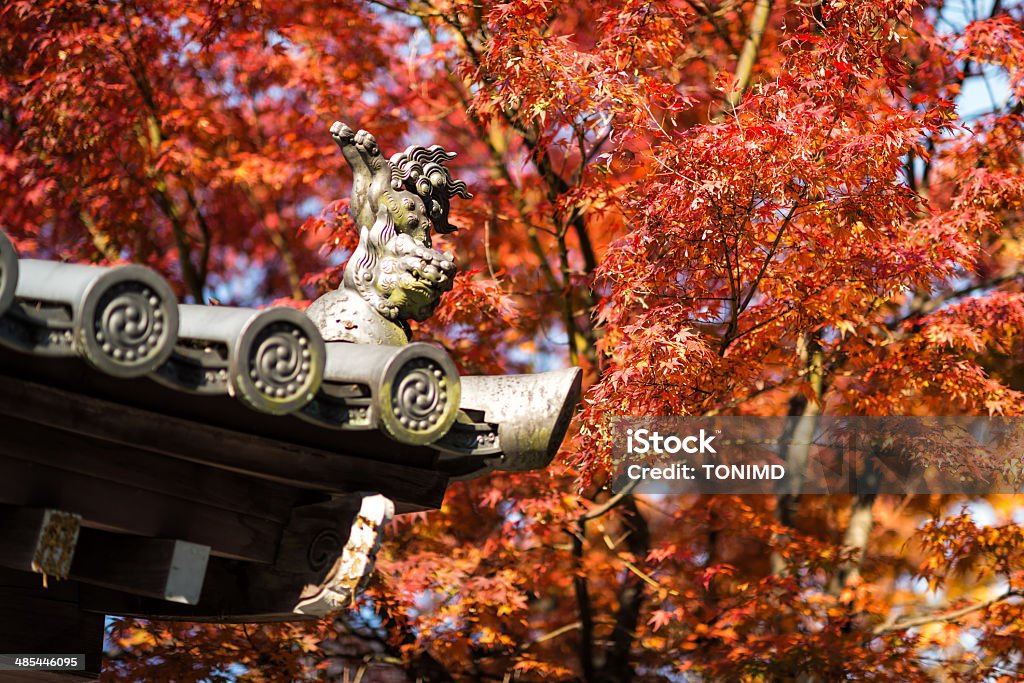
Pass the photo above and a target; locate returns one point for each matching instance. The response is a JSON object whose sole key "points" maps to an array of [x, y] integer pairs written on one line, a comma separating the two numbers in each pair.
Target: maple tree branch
{"points": [[498, 164], [570, 322], [188, 272], [204, 230], [767, 321], [532, 237], [556, 186], [290, 267], [100, 239], [922, 186], [946, 617], [282, 246], [855, 538], [618, 666], [611, 503], [751, 47], [928, 306], [768, 258], [408, 11], [586, 649], [734, 297], [714, 17], [195, 279], [562, 630], [595, 148], [458, 27], [576, 220], [797, 444]]}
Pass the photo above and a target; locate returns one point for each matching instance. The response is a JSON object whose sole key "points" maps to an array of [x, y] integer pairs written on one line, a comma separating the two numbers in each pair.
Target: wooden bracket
{"points": [[326, 553], [38, 540], [349, 564], [161, 568]]}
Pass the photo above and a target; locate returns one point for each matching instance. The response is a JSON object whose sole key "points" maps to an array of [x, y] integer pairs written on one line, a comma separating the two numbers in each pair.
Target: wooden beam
{"points": [[288, 463], [144, 469], [232, 606], [165, 569], [119, 507], [38, 540]]}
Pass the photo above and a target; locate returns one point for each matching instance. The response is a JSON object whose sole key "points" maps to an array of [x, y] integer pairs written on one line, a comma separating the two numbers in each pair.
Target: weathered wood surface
{"points": [[76, 377], [339, 541], [286, 463], [234, 592], [229, 606]]}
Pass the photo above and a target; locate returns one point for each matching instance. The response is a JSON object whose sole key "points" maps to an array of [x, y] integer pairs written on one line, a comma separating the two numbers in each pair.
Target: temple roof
{"points": [[117, 336], [234, 436]]}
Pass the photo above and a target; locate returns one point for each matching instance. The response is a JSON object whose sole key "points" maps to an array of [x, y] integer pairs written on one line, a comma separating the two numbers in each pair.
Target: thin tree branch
{"points": [[946, 617], [928, 306], [768, 258], [611, 503]]}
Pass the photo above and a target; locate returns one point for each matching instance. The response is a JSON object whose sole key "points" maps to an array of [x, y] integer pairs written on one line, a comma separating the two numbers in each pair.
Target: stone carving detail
{"points": [[279, 361], [394, 275], [421, 394], [129, 323], [325, 548], [123, 320], [351, 564]]}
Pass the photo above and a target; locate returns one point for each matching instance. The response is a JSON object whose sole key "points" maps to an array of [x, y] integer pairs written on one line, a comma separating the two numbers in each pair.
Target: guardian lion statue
{"points": [[394, 275]]}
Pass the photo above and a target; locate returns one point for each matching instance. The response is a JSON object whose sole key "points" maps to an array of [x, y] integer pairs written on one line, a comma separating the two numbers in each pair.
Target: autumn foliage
{"points": [[713, 207]]}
